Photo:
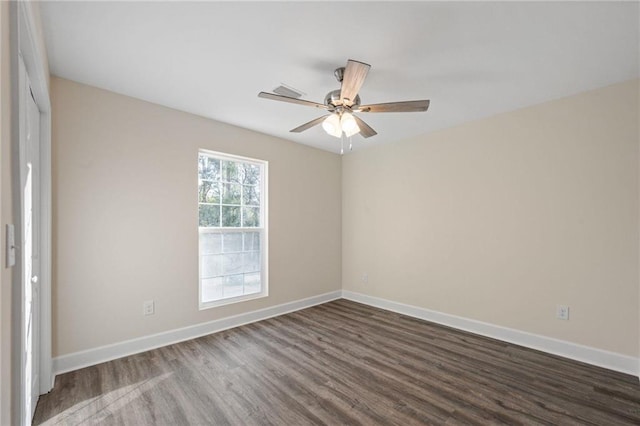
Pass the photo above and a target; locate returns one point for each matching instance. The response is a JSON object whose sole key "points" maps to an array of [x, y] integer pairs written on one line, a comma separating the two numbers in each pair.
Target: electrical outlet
{"points": [[562, 312], [148, 307], [365, 278]]}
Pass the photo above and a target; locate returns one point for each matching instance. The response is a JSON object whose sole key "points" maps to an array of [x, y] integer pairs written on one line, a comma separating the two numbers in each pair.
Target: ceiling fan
{"points": [[344, 102]]}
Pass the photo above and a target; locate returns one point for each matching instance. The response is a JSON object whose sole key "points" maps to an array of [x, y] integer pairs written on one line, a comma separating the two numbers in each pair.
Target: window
{"points": [[232, 202]]}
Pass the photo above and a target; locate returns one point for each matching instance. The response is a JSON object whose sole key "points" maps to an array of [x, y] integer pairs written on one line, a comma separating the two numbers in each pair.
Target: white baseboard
{"points": [[611, 360], [77, 360]]}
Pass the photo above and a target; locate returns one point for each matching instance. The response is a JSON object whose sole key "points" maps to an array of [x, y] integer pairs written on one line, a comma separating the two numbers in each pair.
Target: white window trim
{"points": [[264, 230]]}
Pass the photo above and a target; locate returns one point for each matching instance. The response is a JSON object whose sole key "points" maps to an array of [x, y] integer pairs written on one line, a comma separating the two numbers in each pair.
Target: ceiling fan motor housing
{"points": [[333, 100]]}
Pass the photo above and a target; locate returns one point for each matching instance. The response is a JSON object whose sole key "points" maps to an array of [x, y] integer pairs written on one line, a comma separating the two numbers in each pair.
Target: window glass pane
{"points": [[232, 264], [209, 215], [251, 241], [211, 289], [251, 217], [251, 261], [230, 171], [232, 242], [251, 174], [210, 243], [211, 266], [252, 283], [231, 193], [233, 285], [208, 192], [230, 216], [208, 168], [251, 195]]}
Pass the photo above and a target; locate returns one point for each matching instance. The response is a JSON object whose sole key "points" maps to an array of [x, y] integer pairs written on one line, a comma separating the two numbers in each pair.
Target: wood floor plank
{"points": [[342, 363]]}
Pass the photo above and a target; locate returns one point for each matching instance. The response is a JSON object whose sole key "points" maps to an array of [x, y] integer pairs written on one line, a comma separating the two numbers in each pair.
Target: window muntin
{"points": [[232, 228]]}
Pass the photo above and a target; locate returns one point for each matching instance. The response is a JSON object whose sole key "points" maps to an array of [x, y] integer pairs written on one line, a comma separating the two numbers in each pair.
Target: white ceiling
{"points": [[471, 60]]}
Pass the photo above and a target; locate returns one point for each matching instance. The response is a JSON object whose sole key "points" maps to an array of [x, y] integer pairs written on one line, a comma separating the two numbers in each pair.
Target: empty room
{"points": [[319, 212]]}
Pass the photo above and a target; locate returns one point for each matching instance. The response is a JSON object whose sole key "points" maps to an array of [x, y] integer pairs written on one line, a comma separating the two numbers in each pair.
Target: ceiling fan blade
{"points": [[365, 130], [281, 98], [310, 124], [354, 75], [407, 106]]}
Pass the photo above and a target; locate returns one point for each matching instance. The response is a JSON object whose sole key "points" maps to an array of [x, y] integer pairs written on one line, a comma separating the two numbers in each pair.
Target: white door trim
{"points": [[26, 42]]}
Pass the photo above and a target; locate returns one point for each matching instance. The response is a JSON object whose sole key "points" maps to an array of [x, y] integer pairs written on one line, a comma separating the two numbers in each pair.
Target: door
{"points": [[30, 179]]}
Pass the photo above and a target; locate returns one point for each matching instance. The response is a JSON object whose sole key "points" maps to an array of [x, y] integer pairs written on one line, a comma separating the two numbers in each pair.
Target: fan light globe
{"points": [[331, 125], [349, 125]]}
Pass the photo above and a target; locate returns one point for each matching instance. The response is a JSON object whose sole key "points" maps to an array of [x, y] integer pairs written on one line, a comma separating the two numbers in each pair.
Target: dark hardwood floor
{"points": [[342, 363]]}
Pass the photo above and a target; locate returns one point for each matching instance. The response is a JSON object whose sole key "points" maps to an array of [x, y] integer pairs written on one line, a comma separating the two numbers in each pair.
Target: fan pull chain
{"points": [[342, 144], [350, 144]]}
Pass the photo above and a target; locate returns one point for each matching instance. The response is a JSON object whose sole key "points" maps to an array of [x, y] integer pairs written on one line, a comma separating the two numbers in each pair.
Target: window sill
{"points": [[232, 300]]}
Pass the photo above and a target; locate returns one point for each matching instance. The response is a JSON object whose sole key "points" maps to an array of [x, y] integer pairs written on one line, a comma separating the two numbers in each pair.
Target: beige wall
{"points": [[125, 216], [501, 219], [497, 220], [6, 216]]}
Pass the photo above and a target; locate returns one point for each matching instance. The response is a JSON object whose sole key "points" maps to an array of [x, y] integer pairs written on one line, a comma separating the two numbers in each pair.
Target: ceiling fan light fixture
{"points": [[340, 104], [352, 132], [348, 124], [331, 125]]}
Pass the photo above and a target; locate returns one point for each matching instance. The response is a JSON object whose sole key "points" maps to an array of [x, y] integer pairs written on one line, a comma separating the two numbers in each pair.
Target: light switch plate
{"points": [[11, 246]]}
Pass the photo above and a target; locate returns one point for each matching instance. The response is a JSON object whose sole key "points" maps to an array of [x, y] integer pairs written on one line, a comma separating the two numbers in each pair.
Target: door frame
{"points": [[26, 42]]}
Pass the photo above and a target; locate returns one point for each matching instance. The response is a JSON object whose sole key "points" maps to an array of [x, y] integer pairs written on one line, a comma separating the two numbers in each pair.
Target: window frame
{"points": [[262, 229]]}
